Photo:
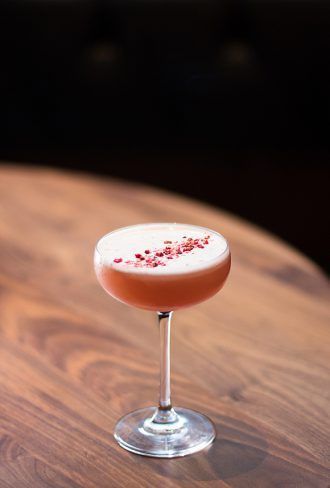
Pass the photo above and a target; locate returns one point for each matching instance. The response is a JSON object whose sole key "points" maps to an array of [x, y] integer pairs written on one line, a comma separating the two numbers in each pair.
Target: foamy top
{"points": [[161, 249]]}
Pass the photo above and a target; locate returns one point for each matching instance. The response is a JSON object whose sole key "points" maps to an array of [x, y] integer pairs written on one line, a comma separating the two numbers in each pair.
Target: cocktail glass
{"points": [[163, 431]]}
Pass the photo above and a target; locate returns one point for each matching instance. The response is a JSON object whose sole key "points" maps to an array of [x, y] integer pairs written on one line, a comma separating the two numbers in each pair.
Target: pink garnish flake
{"points": [[151, 258], [117, 260]]}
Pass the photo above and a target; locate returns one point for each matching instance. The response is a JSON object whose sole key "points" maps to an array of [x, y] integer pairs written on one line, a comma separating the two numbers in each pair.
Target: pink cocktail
{"points": [[163, 267]]}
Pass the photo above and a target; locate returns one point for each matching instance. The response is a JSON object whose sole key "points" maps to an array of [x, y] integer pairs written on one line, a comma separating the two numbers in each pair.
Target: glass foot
{"points": [[164, 434]]}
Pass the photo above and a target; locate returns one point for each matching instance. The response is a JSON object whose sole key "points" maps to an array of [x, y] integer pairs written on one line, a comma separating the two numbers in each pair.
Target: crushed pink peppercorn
{"points": [[172, 250]]}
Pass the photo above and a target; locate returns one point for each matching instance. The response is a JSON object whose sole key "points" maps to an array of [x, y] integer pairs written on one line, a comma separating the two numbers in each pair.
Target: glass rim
{"points": [[119, 229]]}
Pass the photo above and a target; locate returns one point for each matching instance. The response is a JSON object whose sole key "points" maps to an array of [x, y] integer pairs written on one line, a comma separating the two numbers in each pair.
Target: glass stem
{"points": [[165, 413], [164, 320]]}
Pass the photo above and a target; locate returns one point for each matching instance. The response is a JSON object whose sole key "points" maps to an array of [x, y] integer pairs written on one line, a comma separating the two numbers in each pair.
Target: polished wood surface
{"points": [[255, 358]]}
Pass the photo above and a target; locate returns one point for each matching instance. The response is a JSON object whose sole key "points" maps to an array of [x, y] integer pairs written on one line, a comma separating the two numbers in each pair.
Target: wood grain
{"points": [[255, 358]]}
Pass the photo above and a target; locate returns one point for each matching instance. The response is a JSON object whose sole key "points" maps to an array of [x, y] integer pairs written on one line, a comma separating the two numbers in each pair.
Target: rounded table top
{"points": [[254, 358]]}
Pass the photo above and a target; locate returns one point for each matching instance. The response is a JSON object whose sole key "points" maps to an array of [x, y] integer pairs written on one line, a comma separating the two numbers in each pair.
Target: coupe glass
{"points": [[163, 431]]}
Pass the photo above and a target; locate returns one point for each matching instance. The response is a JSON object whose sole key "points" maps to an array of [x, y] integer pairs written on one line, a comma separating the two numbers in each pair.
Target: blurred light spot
{"points": [[103, 53], [236, 55]]}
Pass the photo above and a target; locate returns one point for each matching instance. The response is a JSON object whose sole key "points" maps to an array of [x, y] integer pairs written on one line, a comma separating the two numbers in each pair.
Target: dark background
{"points": [[225, 101]]}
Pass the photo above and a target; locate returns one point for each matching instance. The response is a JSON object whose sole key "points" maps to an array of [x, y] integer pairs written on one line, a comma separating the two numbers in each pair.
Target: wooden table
{"points": [[255, 358]]}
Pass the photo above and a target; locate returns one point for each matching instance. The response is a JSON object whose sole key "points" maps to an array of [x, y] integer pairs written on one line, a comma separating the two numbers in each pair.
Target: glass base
{"points": [[164, 433]]}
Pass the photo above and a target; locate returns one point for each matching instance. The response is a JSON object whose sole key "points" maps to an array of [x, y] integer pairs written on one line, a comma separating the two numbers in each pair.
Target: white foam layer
{"points": [[126, 242]]}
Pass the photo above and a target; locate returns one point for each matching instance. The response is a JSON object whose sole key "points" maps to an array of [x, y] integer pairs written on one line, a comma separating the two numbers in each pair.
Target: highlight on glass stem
{"points": [[163, 267]]}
